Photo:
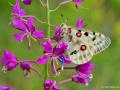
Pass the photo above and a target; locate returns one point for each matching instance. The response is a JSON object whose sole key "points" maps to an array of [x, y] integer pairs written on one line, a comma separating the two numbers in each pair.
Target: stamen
{"points": [[90, 77], [62, 67], [4, 69]]}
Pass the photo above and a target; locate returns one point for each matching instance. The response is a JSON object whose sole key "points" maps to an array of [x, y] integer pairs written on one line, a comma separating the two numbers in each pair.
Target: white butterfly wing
{"points": [[81, 49]]}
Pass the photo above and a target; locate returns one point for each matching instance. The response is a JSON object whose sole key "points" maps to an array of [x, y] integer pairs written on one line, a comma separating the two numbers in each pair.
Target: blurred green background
{"points": [[101, 15]]}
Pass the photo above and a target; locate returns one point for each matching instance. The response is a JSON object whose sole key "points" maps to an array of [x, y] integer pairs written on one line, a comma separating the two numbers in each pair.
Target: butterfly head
{"points": [[64, 27]]}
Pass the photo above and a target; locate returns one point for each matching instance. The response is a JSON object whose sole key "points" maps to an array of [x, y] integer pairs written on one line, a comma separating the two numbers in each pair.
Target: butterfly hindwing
{"points": [[83, 44]]}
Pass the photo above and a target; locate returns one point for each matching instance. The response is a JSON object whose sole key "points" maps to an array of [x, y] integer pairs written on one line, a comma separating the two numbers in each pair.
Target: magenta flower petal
{"points": [[22, 12], [67, 60], [20, 37], [63, 45], [9, 61], [80, 78], [11, 66], [16, 7], [19, 24], [38, 34], [60, 49], [27, 2], [26, 66], [42, 60], [30, 24], [78, 2], [17, 11], [50, 85], [80, 23], [85, 68], [58, 34], [47, 46], [6, 88]]}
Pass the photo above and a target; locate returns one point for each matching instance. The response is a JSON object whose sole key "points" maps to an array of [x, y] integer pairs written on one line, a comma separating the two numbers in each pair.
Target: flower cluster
{"points": [[10, 62], [54, 52], [26, 27]]}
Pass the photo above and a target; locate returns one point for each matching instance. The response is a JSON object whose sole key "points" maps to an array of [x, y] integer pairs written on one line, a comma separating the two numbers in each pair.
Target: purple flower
{"points": [[58, 34], [27, 2], [50, 85], [28, 31], [9, 61], [78, 2], [54, 53], [80, 78], [85, 68], [25, 66], [80, 23], [84, 74], [6, 88], [17, 11], [18, 16]]}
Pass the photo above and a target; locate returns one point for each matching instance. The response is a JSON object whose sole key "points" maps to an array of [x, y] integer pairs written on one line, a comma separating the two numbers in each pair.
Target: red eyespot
{"points": [[83, 47], [69, 30], [78, 34]]}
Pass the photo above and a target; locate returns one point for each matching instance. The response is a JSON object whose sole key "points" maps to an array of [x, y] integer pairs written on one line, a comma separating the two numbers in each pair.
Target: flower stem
{"points": [[65, 81], [30, 61], [62, 3], [42, 3], [66, 68], [48, 28], [48, 17], [37, 72]]}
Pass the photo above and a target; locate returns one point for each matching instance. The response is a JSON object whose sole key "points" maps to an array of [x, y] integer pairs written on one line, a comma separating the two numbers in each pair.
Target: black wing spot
{"points": [[93, 33], [74, 52], [94, 38], [79, 30], [86, 33]]}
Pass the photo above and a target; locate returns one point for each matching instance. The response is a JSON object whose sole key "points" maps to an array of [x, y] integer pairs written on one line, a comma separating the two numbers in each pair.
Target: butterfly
{"points": [[83, 44]]}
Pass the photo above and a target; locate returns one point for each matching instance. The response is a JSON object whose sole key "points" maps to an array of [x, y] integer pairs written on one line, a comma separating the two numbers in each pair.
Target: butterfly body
{"points": [[83, 44]]}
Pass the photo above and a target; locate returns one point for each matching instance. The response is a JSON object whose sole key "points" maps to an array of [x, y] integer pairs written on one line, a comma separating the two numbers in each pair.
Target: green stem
{"points": [[48, 28], [48, 18]]}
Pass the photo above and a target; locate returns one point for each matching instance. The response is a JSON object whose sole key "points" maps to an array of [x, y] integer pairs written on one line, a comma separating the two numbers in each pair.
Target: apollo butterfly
{"points": [[83, 44]]}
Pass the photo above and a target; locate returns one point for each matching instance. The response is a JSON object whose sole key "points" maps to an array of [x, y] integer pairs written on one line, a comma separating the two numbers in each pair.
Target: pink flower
{"points": [[28, 31], [18, 16], [85, 68], [25, 66], [84, 74], [80, 78], [9, 61], [27, 2], [54, 53], [50, 85], [17, 11], [80, 23], [58, 34]]}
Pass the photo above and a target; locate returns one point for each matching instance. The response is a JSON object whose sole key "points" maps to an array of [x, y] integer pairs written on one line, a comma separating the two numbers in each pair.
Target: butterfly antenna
{"points": [[62, 16], [81, 7]]}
